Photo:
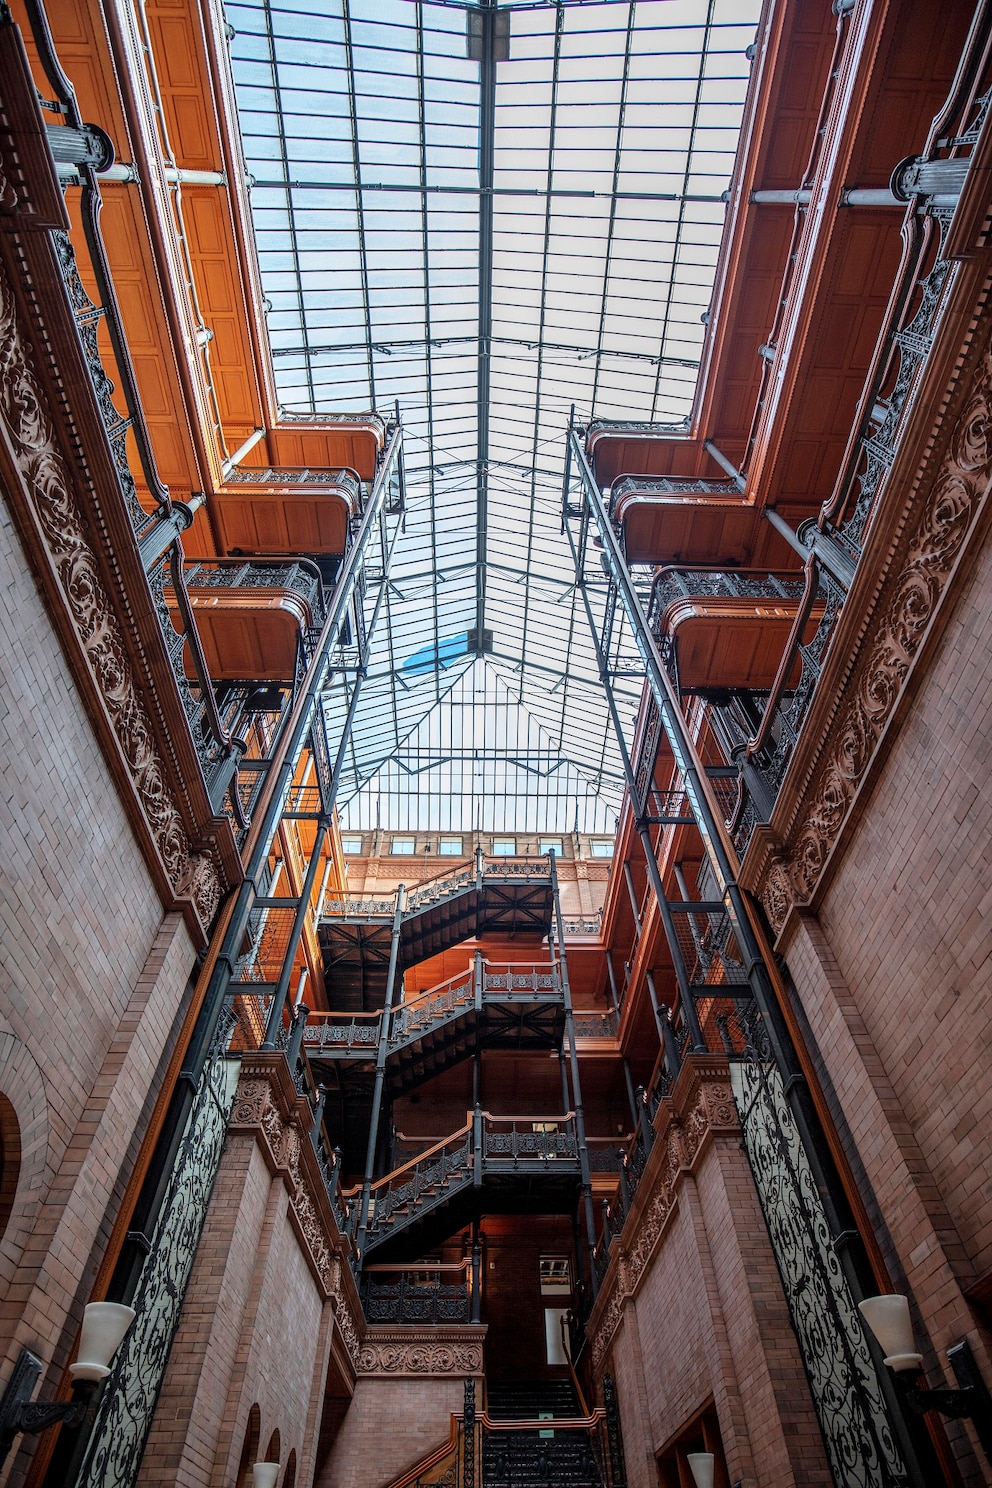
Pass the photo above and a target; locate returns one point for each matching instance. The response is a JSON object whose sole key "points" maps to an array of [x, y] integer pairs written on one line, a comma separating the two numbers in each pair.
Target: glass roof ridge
{"points": [[488, 244]]}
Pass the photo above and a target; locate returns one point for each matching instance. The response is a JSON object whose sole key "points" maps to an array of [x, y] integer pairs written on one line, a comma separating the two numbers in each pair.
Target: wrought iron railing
{"points": [[411, 1299], [438, 890], [346, 482], [674, 583], [414, 1017], [298, 576], [485, 1145], [439, 1005], [666, 485], [592, 1024]]}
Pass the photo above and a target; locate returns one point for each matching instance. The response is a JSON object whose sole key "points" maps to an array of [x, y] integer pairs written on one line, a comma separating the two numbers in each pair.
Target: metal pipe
{"points": [[298, 726], [633, 896], [725, 464], [233, 461], [573, 1062], [380, 1071]]}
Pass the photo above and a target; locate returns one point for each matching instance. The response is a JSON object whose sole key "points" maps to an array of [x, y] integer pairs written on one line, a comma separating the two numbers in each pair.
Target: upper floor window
{"points": [[403, 845], [450, 847], [602, 847], [351, 845], [551, 844], [504, 847]]}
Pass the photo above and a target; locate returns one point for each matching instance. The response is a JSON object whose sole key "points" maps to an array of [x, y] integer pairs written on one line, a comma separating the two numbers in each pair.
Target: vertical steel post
{"points": [[273, 1022], [380, 1072], [476, 1310], [722, 859], [298, 726], [573, 1061]]}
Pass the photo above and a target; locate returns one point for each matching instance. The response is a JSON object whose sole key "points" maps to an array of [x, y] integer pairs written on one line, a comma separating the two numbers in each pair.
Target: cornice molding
{"points": [[931, 515], [63, 488], [269, 1108], [699, 1108], [392, 1353]]}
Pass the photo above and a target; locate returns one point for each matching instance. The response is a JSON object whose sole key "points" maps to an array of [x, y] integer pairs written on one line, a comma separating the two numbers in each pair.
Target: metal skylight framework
{"points": [[488, 241]]}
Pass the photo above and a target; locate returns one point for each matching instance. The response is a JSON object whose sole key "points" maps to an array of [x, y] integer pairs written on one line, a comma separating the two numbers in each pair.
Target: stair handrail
{"points": [[433, 1459], [554, 1423], [568, 1119], [402, 1011], [382, 1183]]}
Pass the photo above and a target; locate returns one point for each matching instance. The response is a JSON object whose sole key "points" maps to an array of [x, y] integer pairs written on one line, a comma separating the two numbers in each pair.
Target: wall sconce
{"points": [[889, 1320], [104, 1326], [264, 1474], [701, 1467]]}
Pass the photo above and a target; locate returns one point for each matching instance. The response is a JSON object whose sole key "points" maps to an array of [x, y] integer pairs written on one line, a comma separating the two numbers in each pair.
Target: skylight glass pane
{"points": [[615, 126]]}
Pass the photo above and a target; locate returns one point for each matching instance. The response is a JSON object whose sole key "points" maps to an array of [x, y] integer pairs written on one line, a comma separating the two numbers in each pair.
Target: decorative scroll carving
{"points": [[937, 529], [271, 1110], [707, 1106], [421, 1351], [193, 875]]}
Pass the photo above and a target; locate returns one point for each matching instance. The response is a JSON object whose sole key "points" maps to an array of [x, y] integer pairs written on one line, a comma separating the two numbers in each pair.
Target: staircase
{"points": [[525, 1400], [537, 1456], [508, 895], [496, 1007], [491, 1165]]}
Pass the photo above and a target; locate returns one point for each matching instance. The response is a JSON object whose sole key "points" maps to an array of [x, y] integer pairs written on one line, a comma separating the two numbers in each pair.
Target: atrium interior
{"points": [[494, 985]]}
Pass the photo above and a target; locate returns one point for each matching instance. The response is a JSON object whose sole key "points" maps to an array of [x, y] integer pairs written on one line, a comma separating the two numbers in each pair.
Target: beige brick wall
{"points": [[92, 978]]}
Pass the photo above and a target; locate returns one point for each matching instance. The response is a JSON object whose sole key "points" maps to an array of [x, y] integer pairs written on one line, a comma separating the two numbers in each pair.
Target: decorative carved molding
{"points": [[268, 1106], [918, 539], [419, 1351], [701, 1105], [193, 875]]}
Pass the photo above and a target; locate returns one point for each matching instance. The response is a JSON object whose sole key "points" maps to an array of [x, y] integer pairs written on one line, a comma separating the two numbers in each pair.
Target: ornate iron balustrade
{"points": [[436, 889], [356, 909], [217, 751], [406, 1301], [431, 1010], [595, 1024], [423, 1182], [420, 1014], [128, 1400], [583, 1452], [299, 576], [486, 1144], [219, 754], [843, 1380], [514, 980], [514, 1139], [329, 1031], [591, 925], [666, 485], [329, 1163], [606, 1156], [672, 584], [343, 480]]}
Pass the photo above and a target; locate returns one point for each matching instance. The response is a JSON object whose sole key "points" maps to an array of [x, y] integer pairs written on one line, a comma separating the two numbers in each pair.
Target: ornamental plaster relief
{"points": [[933, 527], [701, 1104], [422, 1351]]}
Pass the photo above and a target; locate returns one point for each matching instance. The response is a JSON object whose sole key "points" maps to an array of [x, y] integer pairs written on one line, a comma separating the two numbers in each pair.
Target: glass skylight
{"points": [[487, 259]]}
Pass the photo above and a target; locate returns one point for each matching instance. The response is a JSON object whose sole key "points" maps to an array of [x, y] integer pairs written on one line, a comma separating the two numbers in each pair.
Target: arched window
{"points": [[249, 1452], [289, 1476], [10, 1159], [273, 1449]]}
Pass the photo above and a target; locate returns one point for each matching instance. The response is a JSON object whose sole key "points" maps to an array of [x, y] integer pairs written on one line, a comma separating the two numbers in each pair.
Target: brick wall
{"points": [[692, 1310], [92, 979], [391, 1424], [895, 976]]}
